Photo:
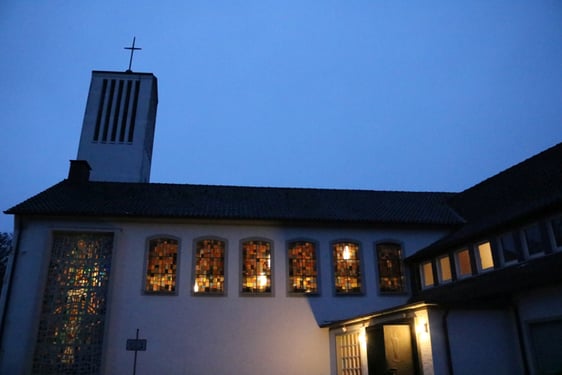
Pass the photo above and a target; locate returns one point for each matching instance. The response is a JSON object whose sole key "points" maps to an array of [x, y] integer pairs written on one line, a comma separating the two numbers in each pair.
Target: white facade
{"points": [[230, 334]]}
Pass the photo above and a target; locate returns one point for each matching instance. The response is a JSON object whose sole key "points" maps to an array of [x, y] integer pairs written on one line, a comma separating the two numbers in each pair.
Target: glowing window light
{"points": [[485, 256]]}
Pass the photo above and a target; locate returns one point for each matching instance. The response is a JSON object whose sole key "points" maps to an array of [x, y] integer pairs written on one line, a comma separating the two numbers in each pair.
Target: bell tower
{"points": [[118, 128]]}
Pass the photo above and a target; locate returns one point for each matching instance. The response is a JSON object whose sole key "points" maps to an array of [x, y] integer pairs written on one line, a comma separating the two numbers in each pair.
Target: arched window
{"points": [[390, 267], [302, 267], [209, 267], [256, 267], [347, 268], [161, 266]]}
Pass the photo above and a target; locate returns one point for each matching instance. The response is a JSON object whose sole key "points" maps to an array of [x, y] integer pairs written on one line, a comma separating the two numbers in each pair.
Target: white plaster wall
{"points": [[188, 334], [26, 294], [484, 342], [438, 343]]}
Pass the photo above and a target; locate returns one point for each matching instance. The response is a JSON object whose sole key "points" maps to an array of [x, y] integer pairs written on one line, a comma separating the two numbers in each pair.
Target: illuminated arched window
{"points": [[256, 267], [161, 266], [347, 268], [391, 270], [302, 266], [209, 267]]}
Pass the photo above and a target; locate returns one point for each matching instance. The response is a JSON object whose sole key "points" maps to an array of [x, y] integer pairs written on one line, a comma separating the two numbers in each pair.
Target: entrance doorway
{"points": [[391, 349]]}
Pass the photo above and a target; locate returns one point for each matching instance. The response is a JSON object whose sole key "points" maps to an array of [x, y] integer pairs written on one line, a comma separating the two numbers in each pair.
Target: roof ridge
{"points": [[271, 187]]}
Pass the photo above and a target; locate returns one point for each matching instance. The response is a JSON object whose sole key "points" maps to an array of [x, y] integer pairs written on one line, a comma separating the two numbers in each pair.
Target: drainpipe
{"points": [[521, 338], [447, 342]]}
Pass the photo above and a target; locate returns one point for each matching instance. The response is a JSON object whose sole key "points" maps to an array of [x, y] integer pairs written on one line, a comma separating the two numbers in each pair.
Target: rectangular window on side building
{"points": [[463, 263], [426, 272]]}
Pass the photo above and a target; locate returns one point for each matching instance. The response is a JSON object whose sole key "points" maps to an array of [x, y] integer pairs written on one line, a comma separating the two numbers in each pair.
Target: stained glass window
{"points": [[209, 267], [303, 273], [256, 267], [391, 272], [72, 317], [347, 268], [161, 266]]}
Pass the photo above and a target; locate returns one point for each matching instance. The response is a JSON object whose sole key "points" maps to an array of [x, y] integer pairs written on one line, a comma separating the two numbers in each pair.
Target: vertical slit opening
{"points": [[108, 111], [125, 111], [100, 110], [117, 111], [134, 111]]}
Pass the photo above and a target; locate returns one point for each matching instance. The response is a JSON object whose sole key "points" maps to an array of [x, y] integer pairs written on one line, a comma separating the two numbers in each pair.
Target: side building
{"points": [[487, 297]]}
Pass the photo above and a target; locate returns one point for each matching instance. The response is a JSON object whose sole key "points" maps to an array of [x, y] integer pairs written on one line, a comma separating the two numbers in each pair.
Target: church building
{"points": [[112, 274]]}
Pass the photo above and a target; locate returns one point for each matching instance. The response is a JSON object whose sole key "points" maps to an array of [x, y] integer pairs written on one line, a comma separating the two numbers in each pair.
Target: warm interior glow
{"points": [[445, 268], [195, 287], [362, 337], [463, 259], [427, 273], [262, 281], [346, 254], [485, 255]]}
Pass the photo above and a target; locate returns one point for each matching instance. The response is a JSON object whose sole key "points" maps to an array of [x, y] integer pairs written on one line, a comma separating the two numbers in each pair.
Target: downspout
{"points": [[521, 338], [447, 342], [5, 301]]}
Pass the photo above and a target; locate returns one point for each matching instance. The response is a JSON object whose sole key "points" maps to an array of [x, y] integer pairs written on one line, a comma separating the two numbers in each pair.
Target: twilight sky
{"points": [[384, 95]]}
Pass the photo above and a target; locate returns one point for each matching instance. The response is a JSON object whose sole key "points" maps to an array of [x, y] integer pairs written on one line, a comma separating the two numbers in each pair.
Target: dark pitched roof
{"points": [[528, 189], [239, 203]]}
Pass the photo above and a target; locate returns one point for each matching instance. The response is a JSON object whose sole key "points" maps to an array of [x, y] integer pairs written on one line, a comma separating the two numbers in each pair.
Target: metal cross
{"points": [[133, 49]]}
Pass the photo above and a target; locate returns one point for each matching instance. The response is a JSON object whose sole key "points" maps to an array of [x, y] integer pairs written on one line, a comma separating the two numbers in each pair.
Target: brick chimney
{"points": [[79, 171]]}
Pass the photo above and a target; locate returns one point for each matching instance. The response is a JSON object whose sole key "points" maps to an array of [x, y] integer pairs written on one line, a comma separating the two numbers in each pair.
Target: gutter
{"points": [[521, 338], [447, 342]]}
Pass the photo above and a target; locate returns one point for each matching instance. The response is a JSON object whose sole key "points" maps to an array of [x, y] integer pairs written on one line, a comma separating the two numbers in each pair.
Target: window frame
{"points": [[271, 267], [288, 259], [194, 274], [525, 243], [422, 272], [401, 266], [148, 241], [439, 267], [459, 274], [479, 258], [552, 233], [515, 238], [359, 261]]}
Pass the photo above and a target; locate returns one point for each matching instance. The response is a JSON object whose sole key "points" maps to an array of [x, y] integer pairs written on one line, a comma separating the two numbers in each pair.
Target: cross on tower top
{"points": [[133, 49]]}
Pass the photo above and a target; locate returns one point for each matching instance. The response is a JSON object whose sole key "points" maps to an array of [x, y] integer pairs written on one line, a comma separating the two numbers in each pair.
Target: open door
{"points": [[391, 350]]}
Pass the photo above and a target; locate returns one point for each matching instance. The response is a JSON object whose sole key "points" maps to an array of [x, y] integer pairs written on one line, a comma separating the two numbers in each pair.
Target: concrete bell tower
{"points": [[118, 128]]}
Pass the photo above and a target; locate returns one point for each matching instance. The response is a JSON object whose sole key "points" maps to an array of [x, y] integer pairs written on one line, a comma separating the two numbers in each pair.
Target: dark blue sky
{"points": [[387, 95]]}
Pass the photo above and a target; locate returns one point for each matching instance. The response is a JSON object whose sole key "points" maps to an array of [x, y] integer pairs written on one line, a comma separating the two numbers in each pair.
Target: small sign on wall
{"points": [[136, 345]]}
